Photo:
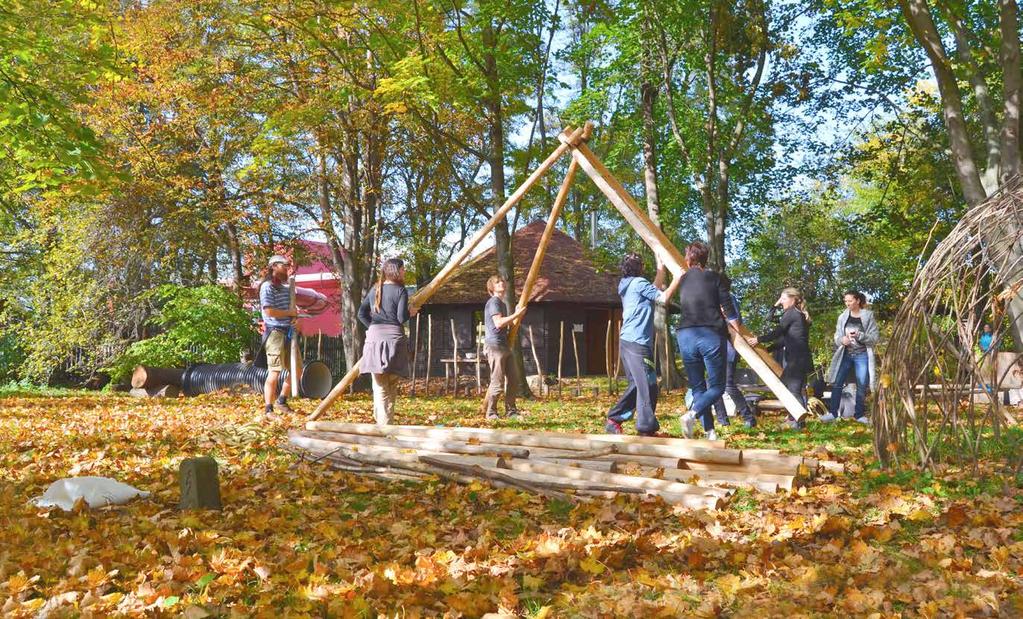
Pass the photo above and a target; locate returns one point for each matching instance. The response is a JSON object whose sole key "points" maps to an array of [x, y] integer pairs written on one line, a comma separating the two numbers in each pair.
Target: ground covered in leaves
{"points": [[306, 541]]}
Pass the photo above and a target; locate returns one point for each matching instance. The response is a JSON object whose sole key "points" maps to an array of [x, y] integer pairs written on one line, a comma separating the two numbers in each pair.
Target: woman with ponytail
{"points": [[384, 312], [794, 332]]}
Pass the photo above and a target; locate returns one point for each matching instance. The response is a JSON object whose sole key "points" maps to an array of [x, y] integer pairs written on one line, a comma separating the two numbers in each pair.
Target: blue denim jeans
{"points": [[641, 394], [860, 364], [703, 355]]}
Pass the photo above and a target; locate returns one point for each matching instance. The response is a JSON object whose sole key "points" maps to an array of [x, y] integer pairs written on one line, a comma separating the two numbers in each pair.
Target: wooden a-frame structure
{"points": [[574, 141]]}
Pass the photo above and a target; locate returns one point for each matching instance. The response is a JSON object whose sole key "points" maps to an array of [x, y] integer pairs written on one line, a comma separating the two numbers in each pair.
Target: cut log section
{"points": [[145, 377], [158, 391]]}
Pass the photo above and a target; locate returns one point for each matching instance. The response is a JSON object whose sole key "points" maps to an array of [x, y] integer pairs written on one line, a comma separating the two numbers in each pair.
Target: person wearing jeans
{"points": [[636, 348], [742, 408], [856, 334], [702, 333]]}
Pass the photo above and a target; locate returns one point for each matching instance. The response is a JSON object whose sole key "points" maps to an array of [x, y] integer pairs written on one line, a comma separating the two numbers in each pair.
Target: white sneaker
{"points": [[688, 421], [711, 435], [827, 418], [864, 420]]}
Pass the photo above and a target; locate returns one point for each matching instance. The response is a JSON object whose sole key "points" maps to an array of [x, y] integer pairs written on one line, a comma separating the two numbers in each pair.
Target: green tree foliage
{"points": [[203, 324]]}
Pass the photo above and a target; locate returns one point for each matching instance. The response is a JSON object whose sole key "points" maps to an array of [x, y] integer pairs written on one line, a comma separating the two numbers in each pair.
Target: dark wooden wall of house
{"points": [[544, 320]]}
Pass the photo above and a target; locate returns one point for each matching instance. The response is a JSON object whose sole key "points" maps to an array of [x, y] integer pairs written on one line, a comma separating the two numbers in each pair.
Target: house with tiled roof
{"points": [[570, 291]]}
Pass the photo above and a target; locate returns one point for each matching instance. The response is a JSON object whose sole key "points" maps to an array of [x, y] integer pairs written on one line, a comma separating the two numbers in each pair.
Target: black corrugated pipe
{"points": [[209, 377]]}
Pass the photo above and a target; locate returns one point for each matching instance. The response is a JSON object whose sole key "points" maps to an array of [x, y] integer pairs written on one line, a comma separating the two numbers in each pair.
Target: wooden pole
{"points": [[561, 352], [296, 355], [479, 353], [429, 351], [536, 359], [415, 356], [768, 371], [454, 355], [607, 353], [541, 248], [575, 349], [618, 361], [568, 138]]}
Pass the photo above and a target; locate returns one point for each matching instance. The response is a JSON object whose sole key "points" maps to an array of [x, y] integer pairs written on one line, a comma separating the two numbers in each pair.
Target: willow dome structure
{"points": [[937, 396]]}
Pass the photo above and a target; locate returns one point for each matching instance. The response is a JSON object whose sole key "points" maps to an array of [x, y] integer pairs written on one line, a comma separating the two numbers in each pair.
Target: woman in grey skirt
{"points": [[384, 312]]}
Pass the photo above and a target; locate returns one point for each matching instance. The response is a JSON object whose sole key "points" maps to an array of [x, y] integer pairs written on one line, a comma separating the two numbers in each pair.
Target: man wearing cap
{"points": [[278, 317]]}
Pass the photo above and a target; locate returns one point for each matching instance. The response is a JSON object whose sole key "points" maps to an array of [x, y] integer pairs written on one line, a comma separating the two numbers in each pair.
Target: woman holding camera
{"points": [[856, 334]]}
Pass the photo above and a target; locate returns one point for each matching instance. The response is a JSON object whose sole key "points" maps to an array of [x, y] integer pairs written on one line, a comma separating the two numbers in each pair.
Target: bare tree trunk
{"points": [[1009, 56], [503, 241], [648, 96], [921, 23]]}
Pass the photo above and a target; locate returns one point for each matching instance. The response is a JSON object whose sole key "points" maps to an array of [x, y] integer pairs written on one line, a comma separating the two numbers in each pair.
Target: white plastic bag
{"points": [[96, 491]]}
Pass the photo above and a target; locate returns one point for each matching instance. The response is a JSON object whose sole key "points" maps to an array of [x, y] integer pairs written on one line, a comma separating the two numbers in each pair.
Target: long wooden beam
{"points": [[541, 249], [666, 251], [568, 138]]}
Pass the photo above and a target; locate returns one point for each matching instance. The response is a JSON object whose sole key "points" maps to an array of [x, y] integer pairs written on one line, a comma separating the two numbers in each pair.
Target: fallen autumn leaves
{"points": [[304, 540]]}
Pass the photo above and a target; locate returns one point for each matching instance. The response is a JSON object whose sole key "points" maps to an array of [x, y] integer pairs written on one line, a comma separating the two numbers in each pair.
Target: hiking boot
{"points": [[688, 421], [612, 427]]}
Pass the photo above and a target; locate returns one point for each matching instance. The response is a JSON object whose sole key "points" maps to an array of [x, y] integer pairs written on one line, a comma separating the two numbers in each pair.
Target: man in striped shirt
{"points": [[275, 305]]}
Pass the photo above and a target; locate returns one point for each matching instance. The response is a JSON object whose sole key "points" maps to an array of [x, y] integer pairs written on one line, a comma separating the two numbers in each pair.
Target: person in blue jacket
{"points": [[636, 348]]}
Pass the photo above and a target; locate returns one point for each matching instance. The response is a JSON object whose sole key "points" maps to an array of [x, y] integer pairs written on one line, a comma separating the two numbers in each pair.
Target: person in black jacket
{"points": [[702, 336], [794, 332], [383, 312]]}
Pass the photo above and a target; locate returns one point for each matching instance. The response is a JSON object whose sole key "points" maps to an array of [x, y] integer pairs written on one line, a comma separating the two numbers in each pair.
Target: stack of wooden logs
{"points": [[148, 382], [693, 473]]}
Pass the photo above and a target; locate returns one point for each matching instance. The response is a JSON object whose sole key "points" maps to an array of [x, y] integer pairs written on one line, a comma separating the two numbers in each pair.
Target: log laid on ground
{"points": [[158, 391], [611, 479], [423, 444], [831, 465], [561, 441], [595, 465], [766, 482], [145, 377], [775, 468], [371, 429], [400, 452]]}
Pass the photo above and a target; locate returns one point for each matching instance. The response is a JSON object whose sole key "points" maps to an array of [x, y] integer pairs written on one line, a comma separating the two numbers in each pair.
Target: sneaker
{"points": [[269, 415], [711, 435], [612, 427], [750, 423], [283, 405], [864, 420], [514, 414], [688, 421], [792, 424], [492, 415], [723, 421], [827, 418]]}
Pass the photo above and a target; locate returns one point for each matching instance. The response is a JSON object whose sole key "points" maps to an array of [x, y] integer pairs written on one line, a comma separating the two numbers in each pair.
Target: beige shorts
{"points": [[277, 354]]}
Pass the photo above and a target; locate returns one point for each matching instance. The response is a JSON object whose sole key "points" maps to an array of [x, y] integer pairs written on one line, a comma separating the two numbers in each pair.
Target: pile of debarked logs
{"points": [[693, 473]]}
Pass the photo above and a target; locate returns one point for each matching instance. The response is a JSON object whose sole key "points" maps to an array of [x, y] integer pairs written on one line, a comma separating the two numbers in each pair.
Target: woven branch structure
{"points": [[937, 397]]}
